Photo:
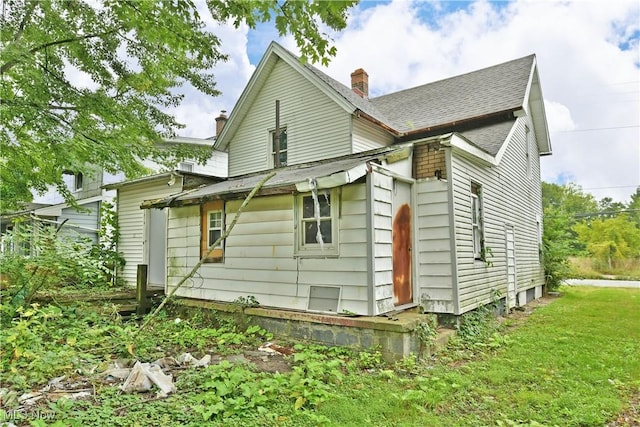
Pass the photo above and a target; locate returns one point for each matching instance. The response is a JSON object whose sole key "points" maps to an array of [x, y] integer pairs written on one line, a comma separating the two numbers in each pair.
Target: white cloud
{"points": [[588, 81]]}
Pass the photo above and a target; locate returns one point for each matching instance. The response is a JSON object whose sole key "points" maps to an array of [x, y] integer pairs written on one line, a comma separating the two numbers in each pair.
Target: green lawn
{"points": [[573, 362]]}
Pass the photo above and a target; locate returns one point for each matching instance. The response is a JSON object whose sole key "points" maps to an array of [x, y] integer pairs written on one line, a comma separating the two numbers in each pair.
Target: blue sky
{"points": [[588, 59]]}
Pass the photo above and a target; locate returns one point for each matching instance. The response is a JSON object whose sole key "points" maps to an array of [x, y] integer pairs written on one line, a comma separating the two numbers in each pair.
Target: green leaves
{"points": [[87, 82]]}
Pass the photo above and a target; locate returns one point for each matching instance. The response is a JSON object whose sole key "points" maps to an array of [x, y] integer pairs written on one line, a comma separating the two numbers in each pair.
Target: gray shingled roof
{"points": [[491, 137], [476, 94]]}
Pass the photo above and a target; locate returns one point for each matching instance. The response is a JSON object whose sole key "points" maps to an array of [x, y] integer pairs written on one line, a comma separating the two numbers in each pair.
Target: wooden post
{"points": [[141, 290]]}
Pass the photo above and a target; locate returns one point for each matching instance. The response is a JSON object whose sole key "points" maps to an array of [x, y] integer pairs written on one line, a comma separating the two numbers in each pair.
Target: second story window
{"points": [[279, 159], [77, 181]]}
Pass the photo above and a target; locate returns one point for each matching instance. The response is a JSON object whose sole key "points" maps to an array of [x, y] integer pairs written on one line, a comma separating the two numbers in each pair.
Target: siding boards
{"points": [[435, 269], [367, 137], [131, 221], [317, 127], [510, 195], [259, 255], [84, 220]]}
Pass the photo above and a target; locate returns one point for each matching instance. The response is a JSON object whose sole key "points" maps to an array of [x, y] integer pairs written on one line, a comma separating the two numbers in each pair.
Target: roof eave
{"points": [[434, 130], [466, 147], [272, 54]]}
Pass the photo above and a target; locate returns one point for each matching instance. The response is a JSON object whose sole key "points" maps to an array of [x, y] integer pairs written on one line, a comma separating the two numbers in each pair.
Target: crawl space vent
{"points": [[324, 298]]}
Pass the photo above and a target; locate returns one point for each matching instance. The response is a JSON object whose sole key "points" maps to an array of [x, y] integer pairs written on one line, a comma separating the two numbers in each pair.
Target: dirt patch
{"points": [[629, 416], [519, 314]]}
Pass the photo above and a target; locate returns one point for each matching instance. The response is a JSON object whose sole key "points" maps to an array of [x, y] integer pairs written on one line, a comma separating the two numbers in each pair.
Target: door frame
{"points": [[147, 247], [412, 204], [511, 297]]}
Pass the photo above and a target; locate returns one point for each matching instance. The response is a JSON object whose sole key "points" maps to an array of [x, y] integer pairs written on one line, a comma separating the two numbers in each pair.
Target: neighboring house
{"points": [[143, 233], [429, 196], [93, 188]]}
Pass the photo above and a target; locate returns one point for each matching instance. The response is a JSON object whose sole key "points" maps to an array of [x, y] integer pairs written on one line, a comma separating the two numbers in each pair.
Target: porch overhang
{"points": [[297, 178]]}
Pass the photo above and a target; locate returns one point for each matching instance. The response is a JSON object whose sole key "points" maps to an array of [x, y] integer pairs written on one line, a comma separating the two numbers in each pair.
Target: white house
{"points": [[429, 196]]}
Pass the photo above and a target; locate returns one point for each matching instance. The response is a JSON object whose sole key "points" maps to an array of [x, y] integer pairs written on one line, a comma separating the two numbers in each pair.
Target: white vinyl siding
{"points": [[216, 165], [84, 221], [435, 248], [366, 136], [259, 254], [131, 220], [509, 197], [317, 127]]}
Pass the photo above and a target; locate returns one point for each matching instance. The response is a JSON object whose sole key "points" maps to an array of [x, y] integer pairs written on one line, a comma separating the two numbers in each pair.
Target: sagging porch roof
{"points": [[327, 173]]}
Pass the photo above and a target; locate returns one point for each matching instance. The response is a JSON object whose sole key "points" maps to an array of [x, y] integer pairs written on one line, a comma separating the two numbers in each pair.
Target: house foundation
{"points": [[396, 336]]}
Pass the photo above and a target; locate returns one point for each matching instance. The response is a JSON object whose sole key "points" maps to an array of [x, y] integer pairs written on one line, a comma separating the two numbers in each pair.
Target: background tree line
{"points": [[577, 226]]}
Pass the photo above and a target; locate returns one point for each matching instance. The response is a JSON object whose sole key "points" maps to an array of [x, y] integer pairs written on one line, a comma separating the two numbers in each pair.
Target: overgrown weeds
{"points": [[568, 364]]}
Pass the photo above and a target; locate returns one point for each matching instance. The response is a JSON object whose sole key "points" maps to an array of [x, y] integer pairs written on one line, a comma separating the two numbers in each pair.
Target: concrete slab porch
{"points": [[396, 336]]}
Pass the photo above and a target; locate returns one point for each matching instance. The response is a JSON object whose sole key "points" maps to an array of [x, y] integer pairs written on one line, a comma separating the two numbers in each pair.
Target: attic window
{"points": [[283, 148], [77, 181], [211, 228]]}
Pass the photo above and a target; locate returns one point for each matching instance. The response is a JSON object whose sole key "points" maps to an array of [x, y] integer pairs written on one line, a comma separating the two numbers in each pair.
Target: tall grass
{"points": [[589, 268]]}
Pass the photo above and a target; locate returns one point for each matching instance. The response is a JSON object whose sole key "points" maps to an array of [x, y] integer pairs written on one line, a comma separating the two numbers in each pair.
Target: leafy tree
{"points": [[132, 57], [610, 239], [634, 207], [569, 204], [556, 246], [609, 208], [569, 197]]}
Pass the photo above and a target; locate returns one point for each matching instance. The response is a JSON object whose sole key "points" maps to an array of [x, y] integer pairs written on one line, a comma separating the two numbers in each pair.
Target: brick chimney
{"points": [[221, 120], [360, 82]]}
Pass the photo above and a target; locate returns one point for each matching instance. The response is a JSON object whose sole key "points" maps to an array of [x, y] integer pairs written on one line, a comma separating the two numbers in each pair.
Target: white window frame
{"points": [[477, 229], [186, 166], [527, 132], [327, 249], [272, 152], [219, 227]]}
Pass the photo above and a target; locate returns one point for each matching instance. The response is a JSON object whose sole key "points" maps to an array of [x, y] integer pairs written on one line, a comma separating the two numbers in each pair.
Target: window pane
{"points": [[323, 201], [325, 205], [215, 219], [283, 139], [213, 236], [474, 210], [307, 207], [311, 230], [325, 229]]}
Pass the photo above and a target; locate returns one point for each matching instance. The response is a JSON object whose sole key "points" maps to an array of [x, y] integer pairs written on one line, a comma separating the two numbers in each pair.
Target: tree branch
{"points": [[8, 65], [211, 248]]}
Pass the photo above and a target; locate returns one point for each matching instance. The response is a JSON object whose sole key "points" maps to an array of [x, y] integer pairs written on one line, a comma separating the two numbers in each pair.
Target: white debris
{"points": [[144, 375], [188, 359], [316, 210], [30, 398]]}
